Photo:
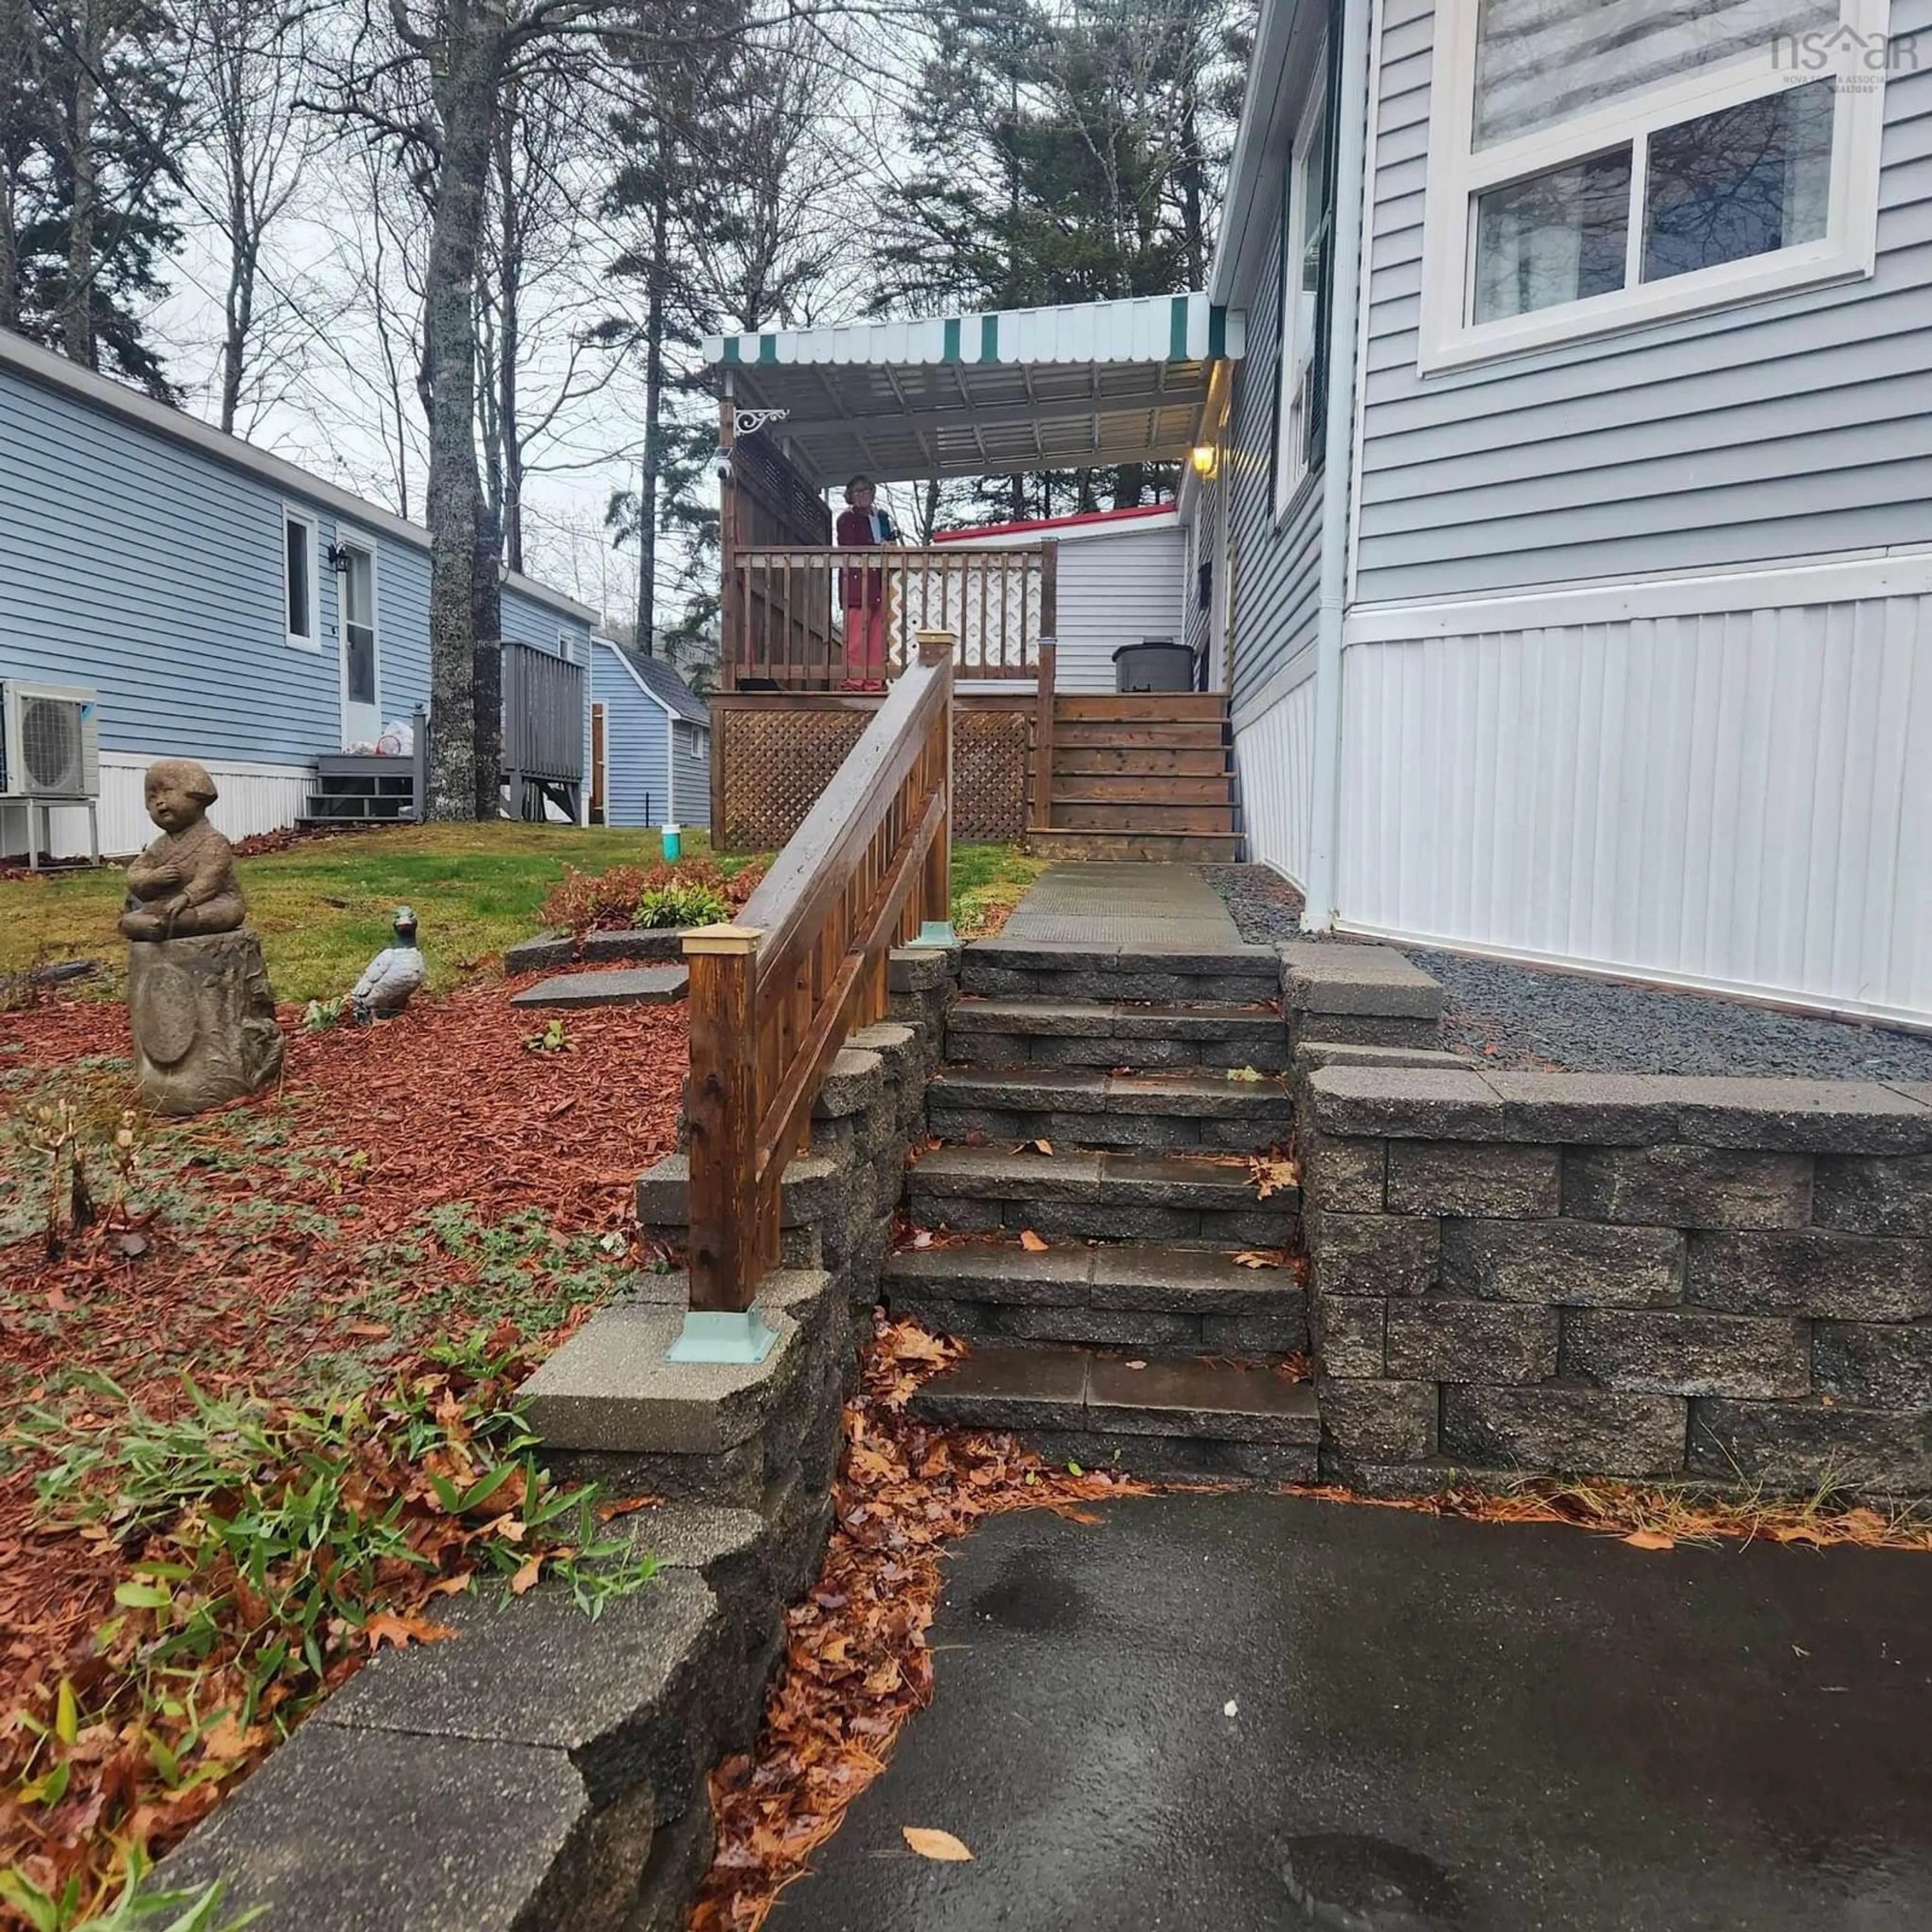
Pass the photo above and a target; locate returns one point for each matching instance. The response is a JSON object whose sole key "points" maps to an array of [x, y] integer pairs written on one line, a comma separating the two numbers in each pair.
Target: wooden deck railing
{"points": [[773, 996], [787, 623]]}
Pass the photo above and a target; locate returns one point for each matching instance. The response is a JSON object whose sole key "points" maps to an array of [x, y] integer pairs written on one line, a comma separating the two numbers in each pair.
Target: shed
{"points": [[1121, 579], [651, 740]]}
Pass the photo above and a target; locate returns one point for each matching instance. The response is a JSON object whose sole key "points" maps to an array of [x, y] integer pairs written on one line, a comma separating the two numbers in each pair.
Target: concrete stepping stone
{"points": [[636, 986]]}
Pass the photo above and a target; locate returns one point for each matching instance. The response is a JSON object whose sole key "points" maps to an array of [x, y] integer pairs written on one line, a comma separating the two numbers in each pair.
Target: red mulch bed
{"points": [[446, 1105]]}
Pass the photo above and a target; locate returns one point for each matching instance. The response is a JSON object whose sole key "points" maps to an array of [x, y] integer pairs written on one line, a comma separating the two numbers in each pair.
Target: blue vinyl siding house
{"points": [[1571, 504], [221, 603], [656, 740]]}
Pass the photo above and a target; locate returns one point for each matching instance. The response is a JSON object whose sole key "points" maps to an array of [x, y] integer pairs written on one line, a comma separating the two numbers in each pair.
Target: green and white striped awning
{"points": [[1088, 384]]}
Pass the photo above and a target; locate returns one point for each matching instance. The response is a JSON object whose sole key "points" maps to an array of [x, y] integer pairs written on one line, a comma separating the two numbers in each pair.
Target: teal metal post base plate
{"points": [[936, 932], [714, 1335]]}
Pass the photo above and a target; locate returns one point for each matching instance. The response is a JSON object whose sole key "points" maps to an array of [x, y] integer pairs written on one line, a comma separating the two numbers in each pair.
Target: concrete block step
{"points": [[1158, 1299], [1175, 1417], [1108, 1033], [1088, 1108], [1098, 1196], [1230, 974], [1122, 843], [608, 986]]}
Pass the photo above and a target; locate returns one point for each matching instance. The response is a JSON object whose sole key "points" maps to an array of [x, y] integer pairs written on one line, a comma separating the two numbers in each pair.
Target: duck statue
{"points": [[391, 976]]}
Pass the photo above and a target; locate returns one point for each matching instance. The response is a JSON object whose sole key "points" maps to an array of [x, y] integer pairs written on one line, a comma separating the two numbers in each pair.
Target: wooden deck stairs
{"points": [[1144, 777], [356, 788]]}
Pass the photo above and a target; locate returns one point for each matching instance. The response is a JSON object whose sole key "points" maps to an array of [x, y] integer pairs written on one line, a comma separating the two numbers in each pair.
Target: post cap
{"points": [[726, 939], [934, 645]]}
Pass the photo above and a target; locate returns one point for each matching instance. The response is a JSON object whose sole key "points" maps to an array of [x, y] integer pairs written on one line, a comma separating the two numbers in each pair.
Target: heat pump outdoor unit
{"points": [[49, 755], [49, 744]]}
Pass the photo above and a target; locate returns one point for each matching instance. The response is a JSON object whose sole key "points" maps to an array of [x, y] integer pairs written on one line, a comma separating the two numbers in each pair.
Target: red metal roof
{"points": [[1028, 527]]}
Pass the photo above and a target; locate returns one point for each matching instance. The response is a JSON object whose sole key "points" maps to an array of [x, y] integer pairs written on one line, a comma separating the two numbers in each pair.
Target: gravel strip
{"points": [[1515, 1015]]}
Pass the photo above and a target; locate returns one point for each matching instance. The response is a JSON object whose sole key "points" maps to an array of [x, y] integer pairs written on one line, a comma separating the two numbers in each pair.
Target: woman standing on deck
{"points": [[862, 526]]}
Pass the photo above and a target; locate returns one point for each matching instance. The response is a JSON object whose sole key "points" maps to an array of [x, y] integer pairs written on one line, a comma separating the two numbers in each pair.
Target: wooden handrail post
{"points": [[730, 1244], [936, 886], [1042, 737]]}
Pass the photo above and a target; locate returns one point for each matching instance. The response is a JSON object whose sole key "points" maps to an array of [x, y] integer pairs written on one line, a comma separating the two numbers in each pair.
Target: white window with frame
{"points": [[1307, 268], [1595, 164], [301, 604]]}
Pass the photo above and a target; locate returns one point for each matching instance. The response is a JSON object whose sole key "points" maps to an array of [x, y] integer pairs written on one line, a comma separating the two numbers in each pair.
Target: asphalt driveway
{"points": [[1248, 1711]]}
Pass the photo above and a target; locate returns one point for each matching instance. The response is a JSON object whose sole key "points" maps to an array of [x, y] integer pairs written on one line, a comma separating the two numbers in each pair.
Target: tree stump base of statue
{"points": [[203, 1017]]}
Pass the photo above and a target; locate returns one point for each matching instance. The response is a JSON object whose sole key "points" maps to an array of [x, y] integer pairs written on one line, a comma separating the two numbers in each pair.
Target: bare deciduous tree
{"points": [[250, 61]]}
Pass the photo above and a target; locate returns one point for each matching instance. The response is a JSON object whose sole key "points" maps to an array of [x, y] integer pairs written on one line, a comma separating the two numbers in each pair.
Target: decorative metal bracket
{"points": [[748, 422]]}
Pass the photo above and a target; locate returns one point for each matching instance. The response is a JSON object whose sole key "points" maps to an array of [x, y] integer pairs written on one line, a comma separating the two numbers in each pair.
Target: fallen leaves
{"points": [[929, 1844], [252, 1275], [1260, 1257], [1658, 1518], [1031, 1242], [857, 1664], [1272, 1173], [386, 1626]]}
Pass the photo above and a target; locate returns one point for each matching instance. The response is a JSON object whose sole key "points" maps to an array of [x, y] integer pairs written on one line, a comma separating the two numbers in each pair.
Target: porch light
{"points": [[1202, 456]]}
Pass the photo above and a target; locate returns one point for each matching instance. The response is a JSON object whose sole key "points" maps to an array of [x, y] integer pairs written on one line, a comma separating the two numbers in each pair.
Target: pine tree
{"points": [[1068, 156], [91, 108]]}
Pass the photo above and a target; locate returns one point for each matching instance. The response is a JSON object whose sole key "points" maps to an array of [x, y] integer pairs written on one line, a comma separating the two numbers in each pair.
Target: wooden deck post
{"points": [[731, 613], [1042, 737], [729, 1239]]}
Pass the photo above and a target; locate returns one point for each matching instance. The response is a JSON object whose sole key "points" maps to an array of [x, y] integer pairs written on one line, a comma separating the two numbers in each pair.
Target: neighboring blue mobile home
{"points": [[1569, 517], [220, 603], [654, 741]]}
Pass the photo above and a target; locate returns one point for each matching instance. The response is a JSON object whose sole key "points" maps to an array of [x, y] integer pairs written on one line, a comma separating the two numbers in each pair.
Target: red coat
{"points": [[862, 590]]}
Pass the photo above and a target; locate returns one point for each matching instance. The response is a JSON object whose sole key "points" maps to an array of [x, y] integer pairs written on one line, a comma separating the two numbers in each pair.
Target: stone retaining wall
{"points": [[545, 1771], [1728, 1280]]}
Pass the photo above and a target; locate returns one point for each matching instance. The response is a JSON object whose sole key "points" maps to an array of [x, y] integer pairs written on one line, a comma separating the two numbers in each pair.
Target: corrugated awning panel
{"points": [[1144, 329], [1088, 386]]}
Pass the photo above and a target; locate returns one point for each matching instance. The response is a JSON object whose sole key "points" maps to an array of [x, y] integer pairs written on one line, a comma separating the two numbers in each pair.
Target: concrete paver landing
{"points": [[1154, 906]]}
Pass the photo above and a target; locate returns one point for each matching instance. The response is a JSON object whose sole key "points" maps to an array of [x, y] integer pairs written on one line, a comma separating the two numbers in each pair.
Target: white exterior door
{"points": [[362, 695]]}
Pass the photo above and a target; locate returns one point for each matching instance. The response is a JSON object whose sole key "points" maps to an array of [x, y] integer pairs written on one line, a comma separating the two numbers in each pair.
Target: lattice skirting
{"points": [[990, 752], [774, 763]]}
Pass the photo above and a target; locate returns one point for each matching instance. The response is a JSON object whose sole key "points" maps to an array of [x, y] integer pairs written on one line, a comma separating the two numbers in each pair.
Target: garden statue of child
{"points": [[183, 886], [200, 1004]]}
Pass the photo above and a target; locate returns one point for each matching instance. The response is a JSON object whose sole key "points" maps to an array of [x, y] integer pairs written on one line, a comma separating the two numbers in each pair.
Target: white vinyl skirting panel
{"points": [[1274, 755], [1739, 798], [254, 798]]}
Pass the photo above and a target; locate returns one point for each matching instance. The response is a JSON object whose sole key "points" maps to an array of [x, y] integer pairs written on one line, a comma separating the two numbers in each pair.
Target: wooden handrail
{"points": [[787, 621], [774, 995]]}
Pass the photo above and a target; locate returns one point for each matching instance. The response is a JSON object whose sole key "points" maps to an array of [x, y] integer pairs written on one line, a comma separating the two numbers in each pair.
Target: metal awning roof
{"points": [[1088, 385]]}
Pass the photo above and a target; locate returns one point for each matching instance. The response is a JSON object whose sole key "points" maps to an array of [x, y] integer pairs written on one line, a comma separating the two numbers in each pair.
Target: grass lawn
{"points": [[323, 906]]}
